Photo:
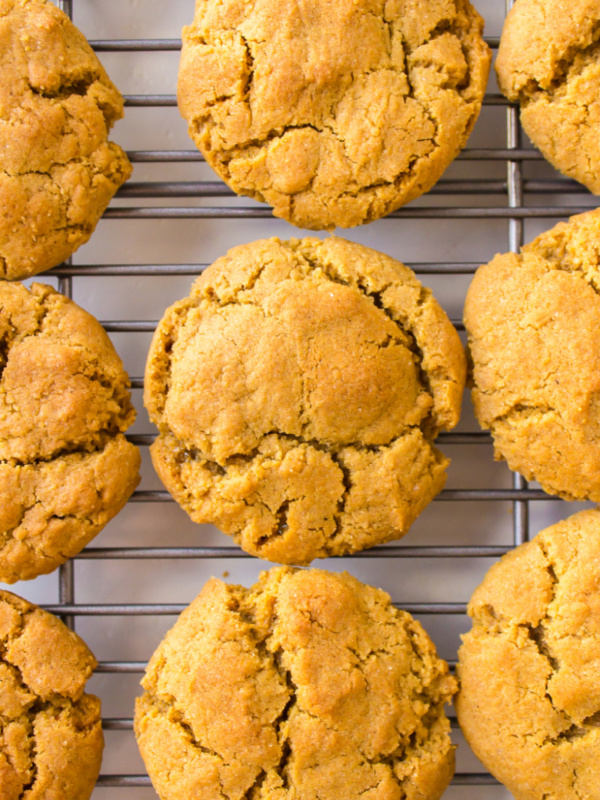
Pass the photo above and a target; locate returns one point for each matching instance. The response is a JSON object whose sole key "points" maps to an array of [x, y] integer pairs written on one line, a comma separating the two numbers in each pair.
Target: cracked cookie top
{"points": [[297, 392], [57, 170], [335, 113], [309, 684], [529, 700], [50, 731], [533, 322], [549, 62], [65, 465]]}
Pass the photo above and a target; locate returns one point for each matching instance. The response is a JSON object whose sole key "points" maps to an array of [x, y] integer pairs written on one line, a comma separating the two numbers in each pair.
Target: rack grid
{"points": [[528, 192]]}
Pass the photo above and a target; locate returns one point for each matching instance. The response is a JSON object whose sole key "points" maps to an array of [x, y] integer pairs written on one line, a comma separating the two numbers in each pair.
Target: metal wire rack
{"points": [[527, 193]]}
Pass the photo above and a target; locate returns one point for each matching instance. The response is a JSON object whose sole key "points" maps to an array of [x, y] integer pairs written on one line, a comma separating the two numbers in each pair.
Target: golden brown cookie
{"points": [[50, 731], [529, 701], [57, 170], [533, 322], [549, 62], [297, 393], [65, 466], [307, 685], [335, 112]]}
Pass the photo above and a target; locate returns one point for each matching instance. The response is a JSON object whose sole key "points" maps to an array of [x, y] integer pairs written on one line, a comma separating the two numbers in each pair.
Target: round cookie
{"points": [[533, 322], [529, 700], [58, 172], [287, 109], [50, 731], [297, 393], [309, 684], [65, 466], [549, 62]]}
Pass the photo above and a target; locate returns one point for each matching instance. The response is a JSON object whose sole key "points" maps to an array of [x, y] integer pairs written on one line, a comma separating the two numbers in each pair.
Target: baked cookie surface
{"points": [[309, 684], [50, 731], [65, 466], [335, 113], [297, 393], [58, 172], [529, 699], [533, 323], [549, 62]]}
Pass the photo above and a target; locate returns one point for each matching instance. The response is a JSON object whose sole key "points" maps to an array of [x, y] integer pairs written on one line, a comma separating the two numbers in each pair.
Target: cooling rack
{"points": [[171, 220]]}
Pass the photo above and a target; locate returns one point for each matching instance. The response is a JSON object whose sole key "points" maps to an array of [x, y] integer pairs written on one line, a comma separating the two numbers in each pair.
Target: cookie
{"points": [[65, 466], [289, 110], [529, 700], [309, 684], [549, 62], [50, 731], [297, 392], [533, 321], [58, 172]]}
